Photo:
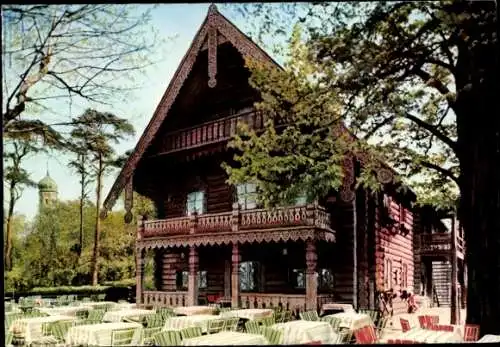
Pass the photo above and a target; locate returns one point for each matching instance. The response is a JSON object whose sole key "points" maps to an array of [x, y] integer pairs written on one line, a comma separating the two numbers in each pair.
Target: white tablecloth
{"points": [[92, 304], [226, 338], [31, 328], [100, 334], [352, 320], [117, 316], [301, 331], [489, 339], [251, 313], [429, 336], [192, 310], [200, 320], [337, 306], [63, 310]]}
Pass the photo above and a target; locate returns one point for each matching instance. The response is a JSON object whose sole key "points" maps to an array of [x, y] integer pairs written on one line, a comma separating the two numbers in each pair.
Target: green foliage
{"points": [[48, 254], [69, 53], [391, 72]]}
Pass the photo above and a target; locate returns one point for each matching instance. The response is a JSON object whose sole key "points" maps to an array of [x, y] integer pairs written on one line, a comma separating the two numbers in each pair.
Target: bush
{"points": [[114, 291]]}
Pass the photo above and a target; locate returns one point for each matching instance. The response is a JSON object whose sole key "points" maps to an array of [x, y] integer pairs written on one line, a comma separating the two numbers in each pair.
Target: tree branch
{"points": [[433, 130], [446, 172]]}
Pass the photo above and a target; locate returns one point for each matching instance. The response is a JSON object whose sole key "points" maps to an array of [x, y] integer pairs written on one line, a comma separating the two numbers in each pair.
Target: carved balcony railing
{"points": [[238, 220], [440, 243], [292, 302], [157, 298], [210, 132]]}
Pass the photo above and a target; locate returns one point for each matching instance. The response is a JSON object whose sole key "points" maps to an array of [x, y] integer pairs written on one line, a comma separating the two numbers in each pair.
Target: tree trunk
{"points": [[95, 256], [478, 130], [82, 200], [8, 241]]}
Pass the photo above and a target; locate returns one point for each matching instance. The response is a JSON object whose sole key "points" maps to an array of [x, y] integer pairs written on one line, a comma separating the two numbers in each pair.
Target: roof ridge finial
{"points": [[212, 8], [47, 168]]}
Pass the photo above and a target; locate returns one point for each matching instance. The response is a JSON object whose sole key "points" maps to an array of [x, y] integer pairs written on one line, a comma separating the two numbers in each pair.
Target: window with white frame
{"points": [[247, 195], [195, 202], [388, 273], [182, 279], [249, 276]]}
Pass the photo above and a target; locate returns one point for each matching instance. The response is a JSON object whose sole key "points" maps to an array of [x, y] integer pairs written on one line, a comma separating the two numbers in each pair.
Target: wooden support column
{"points": [[139, 275], [455, 309], [192, 299], [235, 276], [311, 276]]}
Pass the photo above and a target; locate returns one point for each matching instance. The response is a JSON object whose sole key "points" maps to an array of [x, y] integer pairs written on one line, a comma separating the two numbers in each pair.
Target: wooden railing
{"points": [[439, 242], [210, 132], [235, 220], [157, 298], [292, 302]]}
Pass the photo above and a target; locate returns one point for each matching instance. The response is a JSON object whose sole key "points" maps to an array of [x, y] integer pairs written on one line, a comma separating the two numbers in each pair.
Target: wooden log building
{"points": [[212, 240]]}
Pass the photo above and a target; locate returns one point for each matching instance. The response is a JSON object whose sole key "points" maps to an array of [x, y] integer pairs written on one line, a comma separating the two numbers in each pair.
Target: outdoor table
{"points": [[335, 306], [117, 316], [428, 336], [302, 331], [192, 310], [62, 310], [489, 339], [92, 304], [100, 334], [352, 320], [181, 322], [123, 306], [226, 338], [250, 313], [31, 328]]}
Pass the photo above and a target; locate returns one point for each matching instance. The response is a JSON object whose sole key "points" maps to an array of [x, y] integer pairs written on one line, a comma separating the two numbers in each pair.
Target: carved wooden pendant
{"points": [[129, 202], [212, 56]]}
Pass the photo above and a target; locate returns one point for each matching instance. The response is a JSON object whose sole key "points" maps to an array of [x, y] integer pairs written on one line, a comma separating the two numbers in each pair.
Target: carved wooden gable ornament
{"points": [[215, 30]]}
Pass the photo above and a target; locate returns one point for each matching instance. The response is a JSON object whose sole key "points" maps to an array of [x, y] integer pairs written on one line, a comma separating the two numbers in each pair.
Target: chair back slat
{"points": [[252, 327], [215, 326], [365, 335], [471, 332], [191, 332], [168, 338], [309, 316], [122, 337], [273, 336], [405, 325]]}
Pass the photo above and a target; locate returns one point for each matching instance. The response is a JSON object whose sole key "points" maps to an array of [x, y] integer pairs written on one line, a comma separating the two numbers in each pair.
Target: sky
{"points": [[179, 20]]}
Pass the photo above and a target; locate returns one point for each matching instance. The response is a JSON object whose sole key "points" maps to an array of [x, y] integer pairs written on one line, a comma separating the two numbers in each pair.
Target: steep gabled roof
{"points": [[213, 25]]}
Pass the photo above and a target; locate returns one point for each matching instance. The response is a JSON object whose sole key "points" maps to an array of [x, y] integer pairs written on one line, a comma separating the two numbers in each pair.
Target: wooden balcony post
{"points": [[235, 221], [193, 222], [311, 276], [310, 214], [139, 276], [455, 309], [140, 227], [235, 276], [192, 298]]}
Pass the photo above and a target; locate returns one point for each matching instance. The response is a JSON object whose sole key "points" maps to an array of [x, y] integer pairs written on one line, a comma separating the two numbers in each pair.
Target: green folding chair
{"points": [[333, 321], [280, 316], [154, 320], [122, 337], [231, 324], [95, 316], [267, 321], [273, 336], [168, 338], [147, 335], [344, 337], [191, 332], [252, 327], [288, 316], [215, 326], [309, 316], [374, 315]]}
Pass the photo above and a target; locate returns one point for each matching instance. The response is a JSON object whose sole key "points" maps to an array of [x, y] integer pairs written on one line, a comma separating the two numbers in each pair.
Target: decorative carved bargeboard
{"points": [[275, 235]]}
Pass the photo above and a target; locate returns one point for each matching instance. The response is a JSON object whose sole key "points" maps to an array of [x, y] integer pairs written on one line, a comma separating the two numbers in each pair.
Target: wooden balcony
{"points": [[281, 223], [170, 299], [439, 245], [211, 132]]}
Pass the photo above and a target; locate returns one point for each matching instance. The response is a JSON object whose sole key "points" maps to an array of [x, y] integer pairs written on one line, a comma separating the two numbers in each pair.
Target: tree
{"points": [[79, 165], [16, 178], [413, 82], [97, 131], [68, 53]]}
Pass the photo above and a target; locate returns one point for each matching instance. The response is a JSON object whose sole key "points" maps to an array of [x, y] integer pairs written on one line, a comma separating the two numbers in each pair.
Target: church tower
{"points": [[47, 190]]}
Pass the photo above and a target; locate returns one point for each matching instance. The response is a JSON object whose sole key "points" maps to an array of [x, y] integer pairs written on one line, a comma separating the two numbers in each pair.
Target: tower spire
{"points": [[212, 8], [47, 163]]}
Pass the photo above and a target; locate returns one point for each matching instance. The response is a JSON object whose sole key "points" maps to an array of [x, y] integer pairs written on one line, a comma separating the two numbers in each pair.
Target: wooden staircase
{"points": [[441, 279]]}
